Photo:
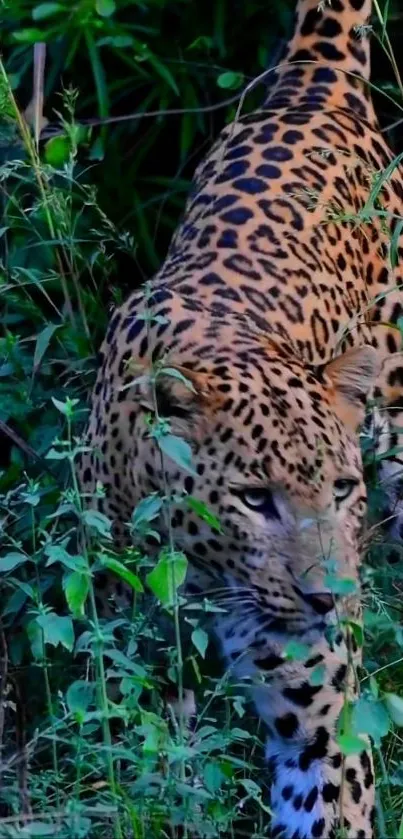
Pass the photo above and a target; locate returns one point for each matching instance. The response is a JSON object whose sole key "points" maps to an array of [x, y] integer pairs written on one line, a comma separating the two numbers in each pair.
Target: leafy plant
{"points": [[89, 747]]}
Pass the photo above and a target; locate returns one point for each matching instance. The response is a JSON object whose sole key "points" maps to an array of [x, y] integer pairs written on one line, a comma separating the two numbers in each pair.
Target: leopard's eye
{"points": [[260, 500], [343, 487]]}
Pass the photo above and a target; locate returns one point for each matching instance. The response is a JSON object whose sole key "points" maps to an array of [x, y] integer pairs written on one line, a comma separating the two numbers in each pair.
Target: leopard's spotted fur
{"points": [[277, 291]]}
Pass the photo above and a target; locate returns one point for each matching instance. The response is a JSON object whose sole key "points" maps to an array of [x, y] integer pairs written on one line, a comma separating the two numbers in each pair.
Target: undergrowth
{"points": [[89, 744]]}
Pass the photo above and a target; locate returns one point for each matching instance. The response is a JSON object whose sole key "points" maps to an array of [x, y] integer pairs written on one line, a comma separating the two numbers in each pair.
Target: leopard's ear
{"points": [[352, 375], [181, 394]]}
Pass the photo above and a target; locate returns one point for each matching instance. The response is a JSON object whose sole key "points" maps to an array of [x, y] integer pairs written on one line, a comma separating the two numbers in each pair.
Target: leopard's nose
{"points": [[322, 602]]}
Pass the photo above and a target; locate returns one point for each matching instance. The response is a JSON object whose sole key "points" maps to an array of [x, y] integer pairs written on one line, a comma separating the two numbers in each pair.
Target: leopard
{"points": [[270, 329]]}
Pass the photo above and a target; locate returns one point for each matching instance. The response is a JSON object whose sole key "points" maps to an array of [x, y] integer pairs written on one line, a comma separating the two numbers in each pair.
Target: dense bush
{"points": [[88, 748]]}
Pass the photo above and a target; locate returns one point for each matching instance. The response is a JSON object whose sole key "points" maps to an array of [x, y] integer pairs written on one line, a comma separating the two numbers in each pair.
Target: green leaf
{"points": [[79, 696], [202, 42], [76, 587], [342, 586], [37, 829], [296, 651], [45, 10], [213, 777], [394, 705], [394, 246], [57, 151], [35, 637], [200, 639], [163, 71], [56, 630], [97, 150], [42, 342], [65, 408], [251, 787], [147, 510], [178, 450], [105, 8], [57, 553], [99, 522], [167, 576], [370, 716], [357, 631], [373, 684], [318, 676], [121, 571], [11, 561], [349, 744], [29, 35], [176, 374], [230, 80], [53, 454], [201, 510]]}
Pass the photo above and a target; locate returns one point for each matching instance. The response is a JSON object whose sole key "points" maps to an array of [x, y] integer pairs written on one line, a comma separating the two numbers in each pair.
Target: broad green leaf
{"points": [[213, 776], [349, 744], [230, 80], [42, 342], [147, 509], [201, 510], [56, 629], [65, 408], [35, 637], [37, 830], [239, 706], [167, 576], [357, 631], [200, 640], [373, 684], [14, 603], [296, 651], [57, 553], [11, 561], [390, 453], [318, 675], [394, 705], [99, 522], [121, 571], [105, 8], [57, 151], [53, 454], [79, 696], [178, 450], [251, 787], [124, 661], [29, 35], [340, 585], [45, 10], [370, 716], [76, 587]]}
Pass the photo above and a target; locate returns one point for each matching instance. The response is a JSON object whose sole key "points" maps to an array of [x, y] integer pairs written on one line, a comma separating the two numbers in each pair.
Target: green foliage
{"points": [[89, 750]]}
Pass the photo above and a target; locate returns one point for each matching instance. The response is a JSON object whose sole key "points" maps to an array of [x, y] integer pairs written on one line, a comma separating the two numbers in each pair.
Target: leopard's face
{"points": [[276, 460]]}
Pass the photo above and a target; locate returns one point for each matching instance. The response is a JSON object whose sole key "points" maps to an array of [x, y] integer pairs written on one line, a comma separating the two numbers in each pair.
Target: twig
{"points": [[3, 684], [22, 766], [170, 112], [34, 111], [27, 449]]}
